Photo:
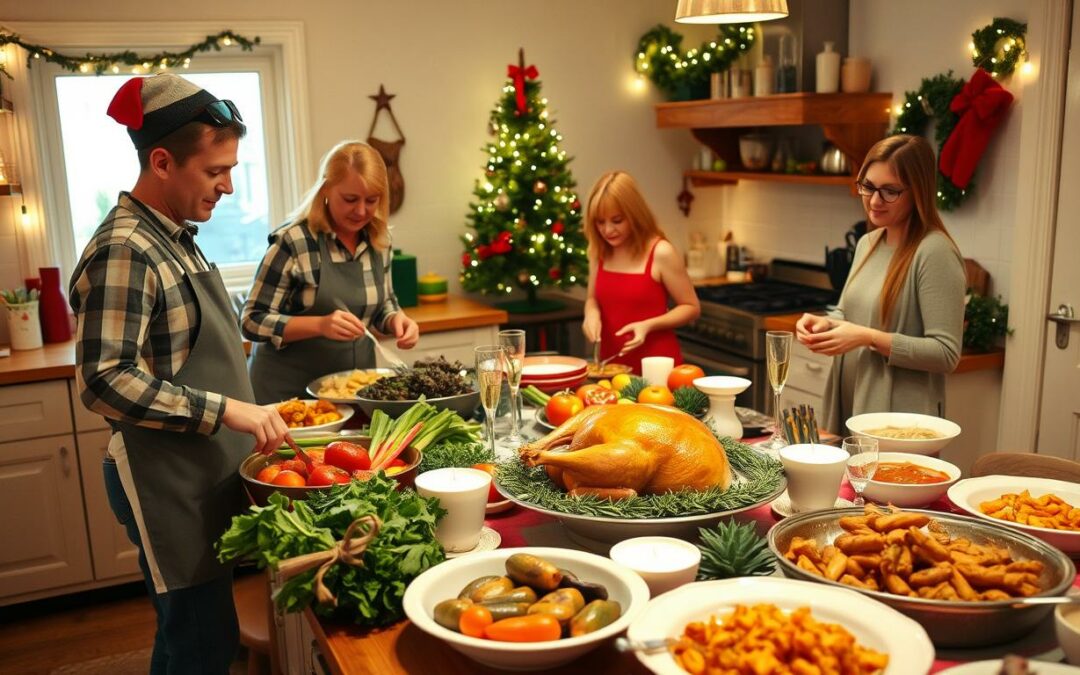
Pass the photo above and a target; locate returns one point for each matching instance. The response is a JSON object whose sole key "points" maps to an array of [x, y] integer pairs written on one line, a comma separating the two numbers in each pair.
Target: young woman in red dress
{"points": [[639, 291]]}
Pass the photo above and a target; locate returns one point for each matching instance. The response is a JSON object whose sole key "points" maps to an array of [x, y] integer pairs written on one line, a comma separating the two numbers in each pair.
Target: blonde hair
{"points": [[912, 160], [618, 190], [368, 164]]}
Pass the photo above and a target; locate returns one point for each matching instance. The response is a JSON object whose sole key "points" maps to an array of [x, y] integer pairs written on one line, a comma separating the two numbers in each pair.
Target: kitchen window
{"points": [[88, 158]]}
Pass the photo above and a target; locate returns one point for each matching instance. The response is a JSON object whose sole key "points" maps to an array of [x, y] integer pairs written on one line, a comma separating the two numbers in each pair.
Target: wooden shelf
{"points": [[852, 122], [709, 178], [8, 189]]}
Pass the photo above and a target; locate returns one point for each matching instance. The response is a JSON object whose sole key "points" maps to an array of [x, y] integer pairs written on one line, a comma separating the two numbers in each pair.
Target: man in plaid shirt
{"points": [[160, 356]]}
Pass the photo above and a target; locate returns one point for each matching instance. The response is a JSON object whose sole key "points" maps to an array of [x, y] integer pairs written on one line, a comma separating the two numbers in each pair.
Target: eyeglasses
{"points": [[888, 194], [221, 114]]}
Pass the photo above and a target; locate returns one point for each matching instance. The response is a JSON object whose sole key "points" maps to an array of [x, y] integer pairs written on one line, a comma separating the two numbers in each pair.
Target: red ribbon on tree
{"points": [[982, 105], [518, 73]]}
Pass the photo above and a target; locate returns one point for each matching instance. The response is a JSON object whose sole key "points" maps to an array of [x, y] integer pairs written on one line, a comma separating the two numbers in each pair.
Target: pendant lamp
{"points": [[729, 11]]}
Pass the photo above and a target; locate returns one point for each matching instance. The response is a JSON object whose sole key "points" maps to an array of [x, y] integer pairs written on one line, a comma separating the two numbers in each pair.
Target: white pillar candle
{"points": [[463, 493], [663, 562], [655, 369]]}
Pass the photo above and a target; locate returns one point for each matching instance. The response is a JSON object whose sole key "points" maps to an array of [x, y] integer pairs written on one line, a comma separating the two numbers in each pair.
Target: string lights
{"points": [[685, 75]]}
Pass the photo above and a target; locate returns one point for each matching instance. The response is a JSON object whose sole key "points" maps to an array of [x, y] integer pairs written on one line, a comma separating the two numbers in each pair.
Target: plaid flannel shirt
{"points": [[138, 319], [288, 279]]}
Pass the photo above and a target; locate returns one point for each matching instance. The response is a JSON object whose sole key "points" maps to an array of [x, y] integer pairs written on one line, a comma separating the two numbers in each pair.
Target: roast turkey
{"points": [[620, 451]]}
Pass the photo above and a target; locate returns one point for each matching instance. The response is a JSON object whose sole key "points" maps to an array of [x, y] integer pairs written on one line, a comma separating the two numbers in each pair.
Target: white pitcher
{"points": [[24, 325]]}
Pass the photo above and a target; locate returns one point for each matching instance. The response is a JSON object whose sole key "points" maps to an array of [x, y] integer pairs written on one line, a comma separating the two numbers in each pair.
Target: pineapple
{"points": [[734, 550]]}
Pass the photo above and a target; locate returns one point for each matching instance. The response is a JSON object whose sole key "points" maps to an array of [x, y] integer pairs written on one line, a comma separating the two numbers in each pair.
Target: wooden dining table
{"points": [[404, 649]]}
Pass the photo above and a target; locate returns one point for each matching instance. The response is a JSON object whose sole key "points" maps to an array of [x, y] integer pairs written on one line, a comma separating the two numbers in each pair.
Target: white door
{"points": [[1059, 419]]}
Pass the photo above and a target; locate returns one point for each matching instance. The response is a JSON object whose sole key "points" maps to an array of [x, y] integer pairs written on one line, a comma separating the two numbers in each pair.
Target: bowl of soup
{"points": [[909, 480], [905, 432]]}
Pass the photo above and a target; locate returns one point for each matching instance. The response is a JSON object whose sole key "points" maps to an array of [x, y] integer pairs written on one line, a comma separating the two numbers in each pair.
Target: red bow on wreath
{"points": [[519, 73], [981, 105]]}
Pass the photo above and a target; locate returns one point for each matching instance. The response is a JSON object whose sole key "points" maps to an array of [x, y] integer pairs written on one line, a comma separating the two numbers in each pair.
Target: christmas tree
{"points": [[526, 215]]}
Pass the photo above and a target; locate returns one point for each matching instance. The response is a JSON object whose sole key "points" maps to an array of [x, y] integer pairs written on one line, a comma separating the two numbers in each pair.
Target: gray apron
{"points": [[187, 484], [281, 374]]}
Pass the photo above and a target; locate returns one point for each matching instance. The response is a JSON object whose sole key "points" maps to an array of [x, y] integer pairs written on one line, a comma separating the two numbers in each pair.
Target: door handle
{"points": [[814, 367], [65, 466], [1064, 317]]}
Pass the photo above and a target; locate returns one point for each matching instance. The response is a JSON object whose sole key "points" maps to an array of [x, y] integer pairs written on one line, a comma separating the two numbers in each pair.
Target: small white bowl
{"points": [[345, 411], [907, 495], [1068, 634], [445, 580], [860, 424]]}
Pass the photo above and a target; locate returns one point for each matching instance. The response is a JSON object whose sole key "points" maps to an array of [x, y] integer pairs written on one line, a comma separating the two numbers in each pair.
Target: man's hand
{"points": [[261, 421]]}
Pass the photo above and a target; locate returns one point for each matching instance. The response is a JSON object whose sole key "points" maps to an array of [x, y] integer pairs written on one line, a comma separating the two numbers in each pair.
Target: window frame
{"points": [[279, 60]]}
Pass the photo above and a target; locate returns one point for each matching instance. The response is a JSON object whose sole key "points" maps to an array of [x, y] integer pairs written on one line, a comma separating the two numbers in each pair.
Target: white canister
{"points": [[764, 75], [24, 325], [855, 75], [828, 70]]}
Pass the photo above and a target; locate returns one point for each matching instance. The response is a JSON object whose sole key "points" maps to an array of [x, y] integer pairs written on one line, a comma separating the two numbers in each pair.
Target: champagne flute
{"points": [[490, 365], [862, 463], [777, 358], [513, 342]]}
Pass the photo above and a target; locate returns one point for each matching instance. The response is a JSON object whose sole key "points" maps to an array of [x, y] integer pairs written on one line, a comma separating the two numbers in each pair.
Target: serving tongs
{"points": [[303, 456], [596, 358], [396, 364]]}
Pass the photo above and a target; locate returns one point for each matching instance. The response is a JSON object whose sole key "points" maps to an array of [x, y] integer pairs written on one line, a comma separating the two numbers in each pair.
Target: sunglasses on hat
{"points": [[220, 114]]}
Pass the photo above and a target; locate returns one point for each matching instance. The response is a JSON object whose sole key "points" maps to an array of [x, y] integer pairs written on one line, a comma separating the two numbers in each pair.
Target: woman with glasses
{"points": [[325, 279], [898, 327], [633, 271]]}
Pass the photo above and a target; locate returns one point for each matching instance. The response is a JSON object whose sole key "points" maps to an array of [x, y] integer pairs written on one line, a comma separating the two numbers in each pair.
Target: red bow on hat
{"points": [[126, 106], [981, 105]]}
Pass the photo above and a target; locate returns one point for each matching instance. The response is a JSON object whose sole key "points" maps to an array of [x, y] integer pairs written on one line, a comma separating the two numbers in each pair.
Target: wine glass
{"points": [[490, 366], [777, 358], [513, 342], [862, 463]]}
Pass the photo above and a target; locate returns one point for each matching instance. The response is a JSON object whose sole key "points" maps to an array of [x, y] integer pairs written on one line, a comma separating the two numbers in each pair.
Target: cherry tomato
{"points": [[530, 628], [289, 479], [474, 620], [268, 473], [601, 397], [295, 465], [493, 494], [657, 395], [562, 407], [684, 376]]}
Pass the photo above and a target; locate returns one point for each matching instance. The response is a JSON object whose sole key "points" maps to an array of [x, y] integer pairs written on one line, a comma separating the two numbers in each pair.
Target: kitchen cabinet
{"points": [[808, 373], [853, 122]]}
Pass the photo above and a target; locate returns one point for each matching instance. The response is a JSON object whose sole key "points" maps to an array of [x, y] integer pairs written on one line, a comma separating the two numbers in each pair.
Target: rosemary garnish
{"points": [[757, 477]]}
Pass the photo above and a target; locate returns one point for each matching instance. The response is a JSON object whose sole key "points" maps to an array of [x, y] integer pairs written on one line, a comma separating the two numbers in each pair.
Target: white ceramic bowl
{"points": [[555, 386], [874, 625], [970, 492], [345, 411], [911, 496], [861, 424], [551, 367], [445, 580], [1068, 632]]}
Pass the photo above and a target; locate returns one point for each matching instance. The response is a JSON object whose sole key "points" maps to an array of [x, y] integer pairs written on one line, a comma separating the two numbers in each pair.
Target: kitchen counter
{"points": [[969, 362], [57, 361]]}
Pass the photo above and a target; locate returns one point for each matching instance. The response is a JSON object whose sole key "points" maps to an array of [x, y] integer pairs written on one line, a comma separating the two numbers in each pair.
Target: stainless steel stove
{"points": [[729, 337]]}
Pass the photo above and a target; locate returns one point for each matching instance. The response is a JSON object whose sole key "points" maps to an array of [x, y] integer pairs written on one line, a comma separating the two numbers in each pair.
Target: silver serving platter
{"points": [[463, 404], [949, 623]]}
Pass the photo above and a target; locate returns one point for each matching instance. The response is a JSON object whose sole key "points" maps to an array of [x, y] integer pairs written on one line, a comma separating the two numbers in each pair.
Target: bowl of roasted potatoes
{"points": [[959, 577], [314, 414]]}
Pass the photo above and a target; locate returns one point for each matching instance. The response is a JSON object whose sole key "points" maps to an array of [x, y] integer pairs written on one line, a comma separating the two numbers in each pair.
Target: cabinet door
{"points": [[113, 553], [43, 530], [34, 410], [808, 371], [793, 397]]}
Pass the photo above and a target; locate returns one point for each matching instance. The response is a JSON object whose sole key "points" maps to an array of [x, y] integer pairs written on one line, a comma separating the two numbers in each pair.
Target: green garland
{"points": [[1000, 46], [762, 477], [685, 75], [986, 321], [100, 64]]}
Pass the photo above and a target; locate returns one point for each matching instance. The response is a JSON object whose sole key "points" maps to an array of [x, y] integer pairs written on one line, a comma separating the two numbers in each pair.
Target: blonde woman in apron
{"points": [[325, 279]]}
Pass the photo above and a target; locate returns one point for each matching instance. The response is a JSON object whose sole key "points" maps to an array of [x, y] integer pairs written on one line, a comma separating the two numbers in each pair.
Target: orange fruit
{"points": [[684, 376], [657, 395], [289, 479]]}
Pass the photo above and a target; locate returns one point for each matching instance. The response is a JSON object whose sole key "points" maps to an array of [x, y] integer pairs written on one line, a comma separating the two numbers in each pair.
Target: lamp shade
{"points": [[729, 11]]}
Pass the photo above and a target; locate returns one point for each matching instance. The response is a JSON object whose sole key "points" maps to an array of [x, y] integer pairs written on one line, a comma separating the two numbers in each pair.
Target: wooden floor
{"points": [[41, 636]]}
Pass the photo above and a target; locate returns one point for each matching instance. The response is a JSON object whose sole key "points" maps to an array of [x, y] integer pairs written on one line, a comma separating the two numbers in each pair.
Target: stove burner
{"points": [[770, 297]]}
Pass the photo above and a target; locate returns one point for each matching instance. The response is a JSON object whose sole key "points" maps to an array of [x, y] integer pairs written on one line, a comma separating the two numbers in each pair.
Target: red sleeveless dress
{"points": [[624, 298]]}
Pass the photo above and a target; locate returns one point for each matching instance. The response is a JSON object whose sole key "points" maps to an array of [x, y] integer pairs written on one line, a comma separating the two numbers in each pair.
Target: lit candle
{"points": [[655, 369], [463, 493], [663, 562]]}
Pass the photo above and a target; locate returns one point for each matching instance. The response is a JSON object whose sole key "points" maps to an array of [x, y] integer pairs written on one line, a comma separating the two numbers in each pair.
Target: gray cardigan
{"points": [[926, 326]]}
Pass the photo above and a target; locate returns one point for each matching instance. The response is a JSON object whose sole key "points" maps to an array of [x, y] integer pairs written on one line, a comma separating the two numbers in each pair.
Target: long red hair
{"points": [[912, 160]]}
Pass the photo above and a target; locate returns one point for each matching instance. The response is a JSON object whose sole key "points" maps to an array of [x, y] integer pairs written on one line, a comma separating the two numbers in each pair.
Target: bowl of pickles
{"points": [[526, 608]]}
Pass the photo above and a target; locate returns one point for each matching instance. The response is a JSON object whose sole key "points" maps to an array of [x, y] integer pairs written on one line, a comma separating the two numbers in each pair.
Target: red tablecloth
{"points": [[521, 527]]}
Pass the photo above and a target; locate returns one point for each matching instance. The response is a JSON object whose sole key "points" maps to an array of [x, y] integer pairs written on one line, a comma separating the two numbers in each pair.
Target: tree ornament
{"points": [[557, 227], [489, 173], [539, 187], [521, 224], [523, 278], [576, 204], [502, 201], [685, 198], [466, 259], [555, 273], [493, 128]]}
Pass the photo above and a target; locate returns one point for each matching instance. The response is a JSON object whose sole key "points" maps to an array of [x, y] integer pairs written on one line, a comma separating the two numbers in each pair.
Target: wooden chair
{"points": [[251, 594], [1026, 464]]}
